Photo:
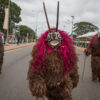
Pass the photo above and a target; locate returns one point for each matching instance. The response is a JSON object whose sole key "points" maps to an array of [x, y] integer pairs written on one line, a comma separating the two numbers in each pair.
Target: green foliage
{"points": [[25, 31], [84, 27], [14, 17]]}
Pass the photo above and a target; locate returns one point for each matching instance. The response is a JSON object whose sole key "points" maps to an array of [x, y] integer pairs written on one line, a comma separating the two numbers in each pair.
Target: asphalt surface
{"points": [[86, 89], [14, 85]]}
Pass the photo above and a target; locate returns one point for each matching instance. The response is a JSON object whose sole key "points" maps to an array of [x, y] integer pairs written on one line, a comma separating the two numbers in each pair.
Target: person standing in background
{"points": [[93, 49], [5, 37]]}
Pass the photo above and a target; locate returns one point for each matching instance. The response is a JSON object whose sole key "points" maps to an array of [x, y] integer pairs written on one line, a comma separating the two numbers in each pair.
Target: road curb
{"points": [[18, 47], [79, 48]]}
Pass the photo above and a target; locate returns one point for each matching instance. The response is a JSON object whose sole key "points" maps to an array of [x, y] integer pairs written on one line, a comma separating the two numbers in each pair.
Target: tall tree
{"points": [[14, 16], [84, 27], [24, 30]]}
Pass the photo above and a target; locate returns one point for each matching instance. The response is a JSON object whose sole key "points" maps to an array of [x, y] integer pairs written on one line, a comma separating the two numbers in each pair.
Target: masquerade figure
{"points": [[53, 71], [1, 52], [93, 49]]}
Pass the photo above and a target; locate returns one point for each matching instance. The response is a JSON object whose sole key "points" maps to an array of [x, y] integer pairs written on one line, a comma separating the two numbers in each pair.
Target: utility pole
{"points": [[72, 25], [36, 27]]}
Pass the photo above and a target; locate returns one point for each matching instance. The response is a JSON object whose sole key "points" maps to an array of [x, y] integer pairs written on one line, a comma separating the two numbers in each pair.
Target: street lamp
{"points": [[67, 21], [36, 21], [36, 28], [72, 25]]}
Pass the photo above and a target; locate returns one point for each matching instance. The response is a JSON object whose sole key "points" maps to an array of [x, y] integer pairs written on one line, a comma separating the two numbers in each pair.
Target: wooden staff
{"points": [[84, 66]]}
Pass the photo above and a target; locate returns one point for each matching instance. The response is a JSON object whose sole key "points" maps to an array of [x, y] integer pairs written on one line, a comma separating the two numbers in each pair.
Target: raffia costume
{"points": [[53, 71], [1, 52], [93, 49]]}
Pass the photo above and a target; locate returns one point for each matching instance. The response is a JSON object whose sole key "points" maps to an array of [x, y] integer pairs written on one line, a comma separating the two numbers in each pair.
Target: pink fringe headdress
{"points": [[93, 39], [66, 50]]}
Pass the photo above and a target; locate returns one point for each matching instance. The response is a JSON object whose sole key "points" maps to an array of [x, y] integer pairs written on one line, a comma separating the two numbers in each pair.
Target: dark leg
{"points": [[67, 97], [99, 76], [94, 76], [0, 68], [64, 94]]}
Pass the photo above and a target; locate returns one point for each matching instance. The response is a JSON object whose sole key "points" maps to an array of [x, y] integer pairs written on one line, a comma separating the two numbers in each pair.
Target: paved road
{"points": [[13, 83], [86, 90]]}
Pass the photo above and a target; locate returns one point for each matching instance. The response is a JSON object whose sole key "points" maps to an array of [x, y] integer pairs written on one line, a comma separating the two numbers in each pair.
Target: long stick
{"points": [[84, 66]]}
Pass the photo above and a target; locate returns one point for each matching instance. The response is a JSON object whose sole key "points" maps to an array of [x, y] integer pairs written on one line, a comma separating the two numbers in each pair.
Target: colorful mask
{"points": [[53, 37]]}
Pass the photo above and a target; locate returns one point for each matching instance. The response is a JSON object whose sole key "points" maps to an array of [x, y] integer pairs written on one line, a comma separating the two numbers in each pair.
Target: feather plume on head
{"points": [[98, 32]]}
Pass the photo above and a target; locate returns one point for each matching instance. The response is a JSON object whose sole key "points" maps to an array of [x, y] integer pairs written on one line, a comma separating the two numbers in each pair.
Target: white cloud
{"points": [[83, 10]]}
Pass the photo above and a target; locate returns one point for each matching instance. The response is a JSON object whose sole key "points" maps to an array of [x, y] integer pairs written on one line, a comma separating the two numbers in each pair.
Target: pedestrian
{"points": [[53, 71], [5, 37], [18, 39], [1, 52], [93, 49]]}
